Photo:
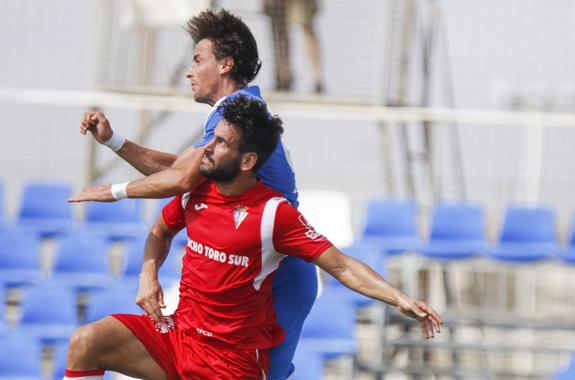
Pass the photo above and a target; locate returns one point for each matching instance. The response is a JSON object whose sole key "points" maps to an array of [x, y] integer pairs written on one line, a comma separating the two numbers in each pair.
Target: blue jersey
{"points": [[277, 171]]}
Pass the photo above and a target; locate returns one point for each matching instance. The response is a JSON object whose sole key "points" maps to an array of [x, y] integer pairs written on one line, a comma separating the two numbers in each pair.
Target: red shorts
{"points": [[183, 357]]}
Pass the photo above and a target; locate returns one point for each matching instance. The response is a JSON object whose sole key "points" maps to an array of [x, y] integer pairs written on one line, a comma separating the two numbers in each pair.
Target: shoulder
{"points": [[252, 92], [202, 192], [268, 193]]}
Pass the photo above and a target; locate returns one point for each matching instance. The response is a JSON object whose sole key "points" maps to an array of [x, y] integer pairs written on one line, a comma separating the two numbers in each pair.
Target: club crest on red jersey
{"points": [[240, 214], [311, 232]]}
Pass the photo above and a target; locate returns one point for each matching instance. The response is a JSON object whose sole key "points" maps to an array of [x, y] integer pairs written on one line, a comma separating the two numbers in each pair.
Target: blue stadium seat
{"points": [[3, 218], [528, 235], [391, 224], [181, 238], [111, 301], [20, 358], [59, 357], [568, 254], [308, 365], [566, 373], [19, 257], [328, 335], [120, 220], [49, 313], [457, 232], [59, 362], [45, 208], [370, 256], [133, 256], [81, 262], [2, 311], [170, 271]]}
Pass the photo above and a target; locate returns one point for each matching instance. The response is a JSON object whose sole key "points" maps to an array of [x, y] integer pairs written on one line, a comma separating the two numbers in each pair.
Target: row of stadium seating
{"points": [[49, 313], [44, 208], [457, 229], [81, 261], [527, 234], [42, 325], [391, 227]]}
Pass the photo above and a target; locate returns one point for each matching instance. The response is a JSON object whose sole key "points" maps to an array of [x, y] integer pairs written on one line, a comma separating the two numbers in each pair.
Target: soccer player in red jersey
{"points": [[239, 231]]}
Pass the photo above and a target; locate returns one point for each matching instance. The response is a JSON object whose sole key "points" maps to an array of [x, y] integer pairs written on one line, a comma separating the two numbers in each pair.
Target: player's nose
{"points": [[209, 148], [189, 73]]}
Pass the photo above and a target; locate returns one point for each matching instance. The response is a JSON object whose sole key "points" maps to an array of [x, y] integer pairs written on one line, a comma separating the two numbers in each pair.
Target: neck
{"points": [[237, 186], [227, 86]]}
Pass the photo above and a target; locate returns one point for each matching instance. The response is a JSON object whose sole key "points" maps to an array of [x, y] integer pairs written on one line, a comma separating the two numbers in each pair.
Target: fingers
{"points": [[151, 307], [91, 119], [430, 310], [154, 310], [161, 299], [80, 197], [99, 193], [429, 320], [433, 316], [418, 311], [428, 328], [84, 123]]}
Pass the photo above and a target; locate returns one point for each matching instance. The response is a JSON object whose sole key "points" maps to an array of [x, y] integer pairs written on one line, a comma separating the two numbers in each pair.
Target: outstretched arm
{"points": [[146, 161], [150, 294], [361, 278], [183, 176]]}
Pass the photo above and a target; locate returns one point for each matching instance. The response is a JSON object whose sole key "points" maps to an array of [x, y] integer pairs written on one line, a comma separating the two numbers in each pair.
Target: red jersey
{"points": [[234, 246]]}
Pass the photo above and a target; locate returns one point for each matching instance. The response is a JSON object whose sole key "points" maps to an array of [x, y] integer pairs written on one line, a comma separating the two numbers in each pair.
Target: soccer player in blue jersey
{"points": [[225, 61]]}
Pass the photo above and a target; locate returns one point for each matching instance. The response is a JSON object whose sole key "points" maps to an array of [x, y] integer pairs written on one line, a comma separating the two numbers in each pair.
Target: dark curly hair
{"points": [[231, 38], [260, 132]]}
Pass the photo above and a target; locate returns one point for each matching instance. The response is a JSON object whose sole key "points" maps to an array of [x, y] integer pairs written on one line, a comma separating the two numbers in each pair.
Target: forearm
{"points": [[164, 184], [155, 252], [146, 161], [361, 278], [183, 176]]}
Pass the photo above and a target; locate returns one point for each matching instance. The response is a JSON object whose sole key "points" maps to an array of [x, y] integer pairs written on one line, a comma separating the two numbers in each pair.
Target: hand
{"points": [[151, 296], [97, 124], [428, 318], [98, 193]]}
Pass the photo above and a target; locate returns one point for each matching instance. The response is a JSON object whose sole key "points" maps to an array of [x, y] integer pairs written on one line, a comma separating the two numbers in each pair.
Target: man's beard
{"points": [[223, 173]]}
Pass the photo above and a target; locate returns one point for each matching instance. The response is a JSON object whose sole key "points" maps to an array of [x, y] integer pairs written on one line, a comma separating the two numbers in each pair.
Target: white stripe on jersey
{"points": [[270, 258], [185, 200]]}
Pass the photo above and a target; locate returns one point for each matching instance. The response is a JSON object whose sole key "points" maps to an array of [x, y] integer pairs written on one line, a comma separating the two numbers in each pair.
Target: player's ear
{"points": [[249, 161], [226, 65]]}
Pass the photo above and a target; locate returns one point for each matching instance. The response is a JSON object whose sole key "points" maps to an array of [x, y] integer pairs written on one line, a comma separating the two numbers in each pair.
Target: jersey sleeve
{"points": [[173, 214], [294, 236], [209, 128]]}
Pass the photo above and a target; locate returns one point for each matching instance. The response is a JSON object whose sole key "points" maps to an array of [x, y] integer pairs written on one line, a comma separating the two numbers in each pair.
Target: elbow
{"points": [[188, 180], [161, 233], [184, 184], [175, 182]]}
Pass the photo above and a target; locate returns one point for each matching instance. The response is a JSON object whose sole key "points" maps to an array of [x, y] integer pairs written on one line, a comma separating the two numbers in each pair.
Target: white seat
{"points": [[329, 212]]}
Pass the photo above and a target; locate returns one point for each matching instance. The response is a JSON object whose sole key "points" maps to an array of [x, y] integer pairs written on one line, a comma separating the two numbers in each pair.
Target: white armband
{"points": [[119, 191], [115, 142]]}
